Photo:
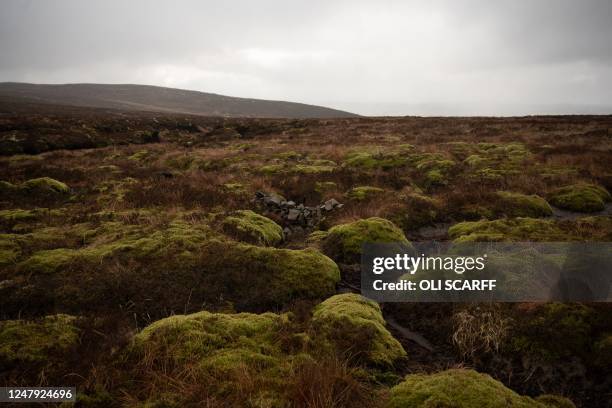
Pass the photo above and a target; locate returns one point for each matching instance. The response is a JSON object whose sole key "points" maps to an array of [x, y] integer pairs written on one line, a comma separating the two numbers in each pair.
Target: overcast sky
{"points": [[447, 57]]}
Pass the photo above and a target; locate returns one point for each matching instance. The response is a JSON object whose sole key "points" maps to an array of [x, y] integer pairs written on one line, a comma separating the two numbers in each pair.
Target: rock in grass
{"points": [[354, 326], [37, 341], [522, 205], [584, 198], [461, 388], [251, 227], [343, 242]]}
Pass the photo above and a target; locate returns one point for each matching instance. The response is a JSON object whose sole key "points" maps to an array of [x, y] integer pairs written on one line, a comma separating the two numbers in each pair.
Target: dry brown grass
{"points": [[479, 330], [331, 383]]}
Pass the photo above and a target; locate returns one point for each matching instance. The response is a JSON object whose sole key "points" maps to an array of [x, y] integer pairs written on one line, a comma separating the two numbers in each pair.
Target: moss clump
{"points": [[312, 168], [272, 168], [179, 241], [360, 159], [253, 276], [364, 193], [17, 215], [325, 186], [568, 323], [7, 188], [343, 242], [580, 198], [48, 261], [234, 187], [355, 326], [290, 155], [521, 205], [603, 351], [45, 185], [457, 388], [374, 160], [139, 156], [513, 229], [418, 210], [251, 227], [476, 160], [222, 350], [317, 166], [9, 249], [316, 237], [37, 341], [435, 168]]}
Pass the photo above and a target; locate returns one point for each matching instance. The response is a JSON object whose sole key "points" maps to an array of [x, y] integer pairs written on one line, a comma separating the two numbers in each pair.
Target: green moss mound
{"points": [[513, 229], [45, 185], [570, 324], [354, 325], [343, 243], [162, 266], [258, 277], [434, 167], [179, 240], [7, 188], [204, 334], [37, 341], [221, 350], [17, 215], [603, 351], [522, 205], [418, 210], [363, 193], [25, 219], [323, 187], [375, 160], [458, 388], [251, 227], [584, 198]]}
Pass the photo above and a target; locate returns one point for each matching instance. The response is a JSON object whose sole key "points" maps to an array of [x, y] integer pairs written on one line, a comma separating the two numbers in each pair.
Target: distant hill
{"points": [[159, 99]]}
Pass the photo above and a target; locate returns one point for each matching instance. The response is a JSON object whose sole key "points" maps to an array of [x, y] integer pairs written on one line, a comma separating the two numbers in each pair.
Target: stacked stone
{"points": [[296, 217]]}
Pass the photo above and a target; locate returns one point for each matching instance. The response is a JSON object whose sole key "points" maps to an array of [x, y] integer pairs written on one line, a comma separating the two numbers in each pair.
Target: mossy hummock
{"points": [[221, 350], [363, 193], [513, 204], [45, 184], [354, 326], [37, 341], [585, 198], [461, 388], [257, 277], [249, 226], [570, 324], [343, 242], [512, 229]]}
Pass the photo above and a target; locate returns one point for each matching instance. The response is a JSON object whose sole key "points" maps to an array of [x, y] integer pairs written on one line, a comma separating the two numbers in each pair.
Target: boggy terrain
{"points": [[138, 264]]}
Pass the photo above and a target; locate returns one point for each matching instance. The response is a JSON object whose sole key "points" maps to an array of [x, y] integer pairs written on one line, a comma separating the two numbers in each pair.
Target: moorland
{"points": [[137, 264]]}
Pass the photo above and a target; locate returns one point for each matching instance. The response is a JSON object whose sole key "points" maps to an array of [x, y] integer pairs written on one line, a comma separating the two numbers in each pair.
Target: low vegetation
{"points": [[134, 243]]}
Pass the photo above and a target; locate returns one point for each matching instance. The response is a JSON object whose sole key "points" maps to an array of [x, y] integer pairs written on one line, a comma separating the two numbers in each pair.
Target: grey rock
{"points": [[295, 218], [293, 215]]}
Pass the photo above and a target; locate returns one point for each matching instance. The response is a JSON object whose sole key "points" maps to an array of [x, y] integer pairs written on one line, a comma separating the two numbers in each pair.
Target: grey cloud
{"points": [[384, 57]]}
